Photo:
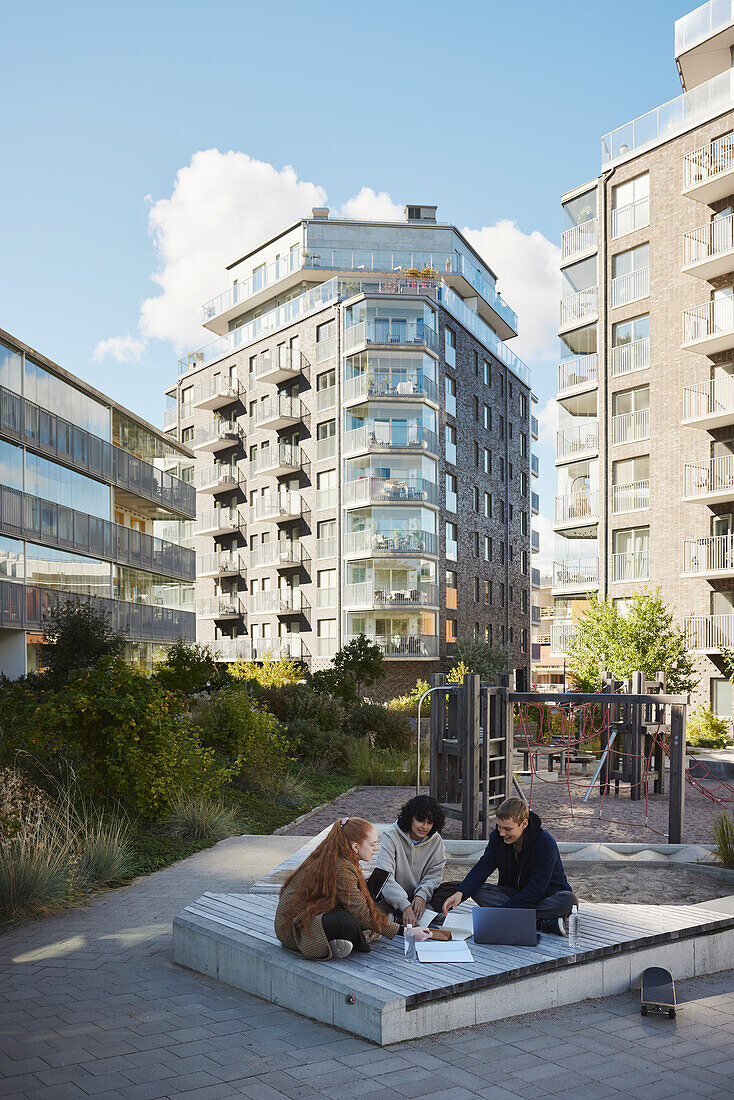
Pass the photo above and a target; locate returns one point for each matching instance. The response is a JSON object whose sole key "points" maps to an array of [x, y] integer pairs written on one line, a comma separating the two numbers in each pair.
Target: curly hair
{"points": [[424, 808]]}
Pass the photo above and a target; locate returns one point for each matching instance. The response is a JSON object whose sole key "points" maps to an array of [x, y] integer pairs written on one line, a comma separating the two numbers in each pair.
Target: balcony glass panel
{"points": [[242, 290], [702, 23], [481, 330]]}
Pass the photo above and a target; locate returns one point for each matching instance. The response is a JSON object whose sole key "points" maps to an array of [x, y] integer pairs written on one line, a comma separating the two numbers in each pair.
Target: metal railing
{"points": [[709, 632], [392, 542], [399, 645], [283, 504], [708, 162], [715, 318], [383, 434], [374, 595], [276, 408], [630, 357], [276, 600], [399, 490], [711, 398], [577, 439], [560, 636], [712, 239], [390, 331], [217, 519], [631, 427], [280, 359], [701, 479], [383, 384], [578, 507], [579, 306], [270, 458], [579, 238], [218, 607], [631, 287], [635, 215], [579, 371], [216, 386], [708, 555], [630, 498], [276, 552], [576, 574], [631, 566], [25, 516], [170, 417], [218, 476], [224, 564], [224, 431]]}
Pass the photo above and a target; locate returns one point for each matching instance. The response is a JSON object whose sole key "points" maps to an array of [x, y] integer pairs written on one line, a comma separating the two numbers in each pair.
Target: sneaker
{"points": [[340, 948], [554, 927]]}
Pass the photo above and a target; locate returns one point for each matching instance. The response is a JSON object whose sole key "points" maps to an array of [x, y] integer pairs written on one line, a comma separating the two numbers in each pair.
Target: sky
{"points": [[146, 145]]}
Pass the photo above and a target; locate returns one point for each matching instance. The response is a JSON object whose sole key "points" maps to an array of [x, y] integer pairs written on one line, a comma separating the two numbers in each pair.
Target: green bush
{"points": [[288, 788], [327, 750], [104, 853], [201, 819], [373, 766], [35, 872], [379, 725], [707, 730], [268, 674], [724, 840], [408, 704], [246, 739], [188, 668]]}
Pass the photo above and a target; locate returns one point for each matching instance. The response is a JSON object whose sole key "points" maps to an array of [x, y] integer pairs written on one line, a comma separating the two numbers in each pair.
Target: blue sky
{"points": [[489, 109]]}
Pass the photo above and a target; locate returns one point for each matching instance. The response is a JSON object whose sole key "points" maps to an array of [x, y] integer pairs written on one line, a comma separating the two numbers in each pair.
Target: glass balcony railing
{"points": [[474, 324], [220, 607], [279, 365], [276, 601], [221, 564], [375, 595], [222, 433], [380, 435], [631, 427], [286, 456], [214, 392], [631, 566], [325, 398], [580, 371], [326, 546], [391, 542], [276, 409], [579, 306], [215, 477], [390, 384], [708, 399], [674, 117], [630, 498], [398, 490], [277, 553], [578, 239], [245, 289], [216, 520], [627, 358], [702, 557], [403, 645], [286, 505], [390, 331], [325, 447], [232, 649], [702, 23]]}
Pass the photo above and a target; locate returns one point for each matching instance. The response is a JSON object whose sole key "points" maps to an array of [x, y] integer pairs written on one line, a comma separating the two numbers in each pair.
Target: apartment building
{"points": [[363, 436], [548, 669], [89, 506], [645, 448]]}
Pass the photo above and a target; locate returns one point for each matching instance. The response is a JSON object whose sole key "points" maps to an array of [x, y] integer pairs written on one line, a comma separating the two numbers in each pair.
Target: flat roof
{"points": [[85, 387]]}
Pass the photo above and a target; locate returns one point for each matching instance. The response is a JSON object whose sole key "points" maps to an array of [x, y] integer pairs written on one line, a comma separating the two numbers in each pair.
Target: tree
{"points": [[490, 661], [77, 636], [644, 639], [356, 666], [268, 674], [188, 668]]}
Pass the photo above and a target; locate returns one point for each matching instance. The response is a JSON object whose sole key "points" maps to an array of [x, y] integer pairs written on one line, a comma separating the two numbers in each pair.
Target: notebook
{"points": [[460, 924], [448, 951]]}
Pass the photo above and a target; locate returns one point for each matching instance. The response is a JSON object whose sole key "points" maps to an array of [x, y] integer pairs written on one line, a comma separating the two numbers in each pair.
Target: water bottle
{"points": [[409, 942], [574, 924]]}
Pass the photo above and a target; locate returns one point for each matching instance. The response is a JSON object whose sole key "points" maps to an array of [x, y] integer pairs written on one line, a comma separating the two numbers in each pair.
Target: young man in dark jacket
{"points": [[531, 874]]}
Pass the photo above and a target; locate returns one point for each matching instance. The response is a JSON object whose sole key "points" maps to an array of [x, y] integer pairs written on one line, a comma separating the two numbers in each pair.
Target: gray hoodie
{"points": [[415, 869]]}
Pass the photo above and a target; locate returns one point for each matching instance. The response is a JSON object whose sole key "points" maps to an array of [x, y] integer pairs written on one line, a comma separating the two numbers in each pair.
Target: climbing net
{"points": [[567, 729]]}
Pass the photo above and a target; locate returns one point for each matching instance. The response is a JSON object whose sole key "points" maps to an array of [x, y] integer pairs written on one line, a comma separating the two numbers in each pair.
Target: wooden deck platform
{"points": [[381, 997]]}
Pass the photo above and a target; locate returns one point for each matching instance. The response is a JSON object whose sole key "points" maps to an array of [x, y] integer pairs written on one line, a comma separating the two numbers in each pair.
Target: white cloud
{"points": [[548, 423], [369, 205], [125, 349], [526, 265]]}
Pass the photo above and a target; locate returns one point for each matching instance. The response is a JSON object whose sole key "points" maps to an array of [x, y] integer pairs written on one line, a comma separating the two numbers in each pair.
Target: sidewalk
{"points": [[91, 1005]]}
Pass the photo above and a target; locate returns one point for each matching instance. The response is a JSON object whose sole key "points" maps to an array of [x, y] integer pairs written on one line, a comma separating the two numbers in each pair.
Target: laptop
{"points": [[508, 927]]}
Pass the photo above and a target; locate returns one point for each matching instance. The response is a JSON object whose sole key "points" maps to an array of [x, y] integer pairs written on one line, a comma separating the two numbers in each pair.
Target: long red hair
{"points": [[315, 890]]}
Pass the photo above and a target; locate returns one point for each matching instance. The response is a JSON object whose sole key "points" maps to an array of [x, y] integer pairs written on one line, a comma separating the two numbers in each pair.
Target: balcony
{"points": [[577, 509], [711, 482], [631, 427], [220, 607], [326, 398], [285, 554], [383, 490], [283, 458], [631, 566], [578, 441], [384, 436], [703, 41], [326, 547], [710, 557], [390, 332], [708, 172], [576, 375], [535, 542], [535, 466], [217, 521], [630, 498], [708, 251], [278, 506], [218, 565], [578, 240], [631, 357], [278, 649], [580, 307], [534, 427], [325, 647], [535, 614], [232, 649], [411, 647], [277, 601], [535, 578], [215, 393], [216, 437], [280, 365], [575, 575], [170, 418], [385, 384], [277, 412], [631, 287], [374, 596], [365, 543], [215, 479], [674, 117], [709, 633], [561, 634], [709, 405], [709, 328], [534, 503], [486, 335], [635, 215], [229, 304]]}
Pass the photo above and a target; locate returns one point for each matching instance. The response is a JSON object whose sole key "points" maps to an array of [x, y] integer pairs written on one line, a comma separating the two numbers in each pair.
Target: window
{"points": [[450, 346], [502, 596], [326, 390], [451, 630], [476, 589], [326, 538], [631, 554], [631, 275], [524, 601], [450, 437], [187, 434], [488, 634], [452, 541], [326, 637], [476, 453], [451, 589], [523, 523], [487, 461], [512, 591], [475, 361], [630, 205], [487, 418], [487, 548], [488, 505], [258, 277], [326, 489], [450, 389], [502, 553], [523, 484], [502, 511], [326, 439], [523, 406], [187, 401], [488, 593], [476, 408], [487, 373], [502, 635], [325, 341], [523, 444], [502, 427], [451, 497], [501, 462], [475, 498], [476, 544], [524, 562]]}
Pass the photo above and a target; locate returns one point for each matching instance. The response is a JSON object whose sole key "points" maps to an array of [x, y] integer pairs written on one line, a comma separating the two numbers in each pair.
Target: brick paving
{"points": [[91, 1005]]}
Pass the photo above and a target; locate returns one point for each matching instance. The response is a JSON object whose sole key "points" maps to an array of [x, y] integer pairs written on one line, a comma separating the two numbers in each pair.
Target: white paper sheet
{"points": [[460, 923], [443, 951]]}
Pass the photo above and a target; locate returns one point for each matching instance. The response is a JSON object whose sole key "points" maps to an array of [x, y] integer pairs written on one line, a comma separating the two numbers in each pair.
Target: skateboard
{"points": [[657, 990]]}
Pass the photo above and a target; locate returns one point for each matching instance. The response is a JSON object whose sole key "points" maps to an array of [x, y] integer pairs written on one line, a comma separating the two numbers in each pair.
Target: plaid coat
{"points": [[312, 943]]}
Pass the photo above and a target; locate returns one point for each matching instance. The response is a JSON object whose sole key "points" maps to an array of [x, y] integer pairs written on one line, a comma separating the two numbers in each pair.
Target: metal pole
{"points": [[443, 687], [600, 766]]}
